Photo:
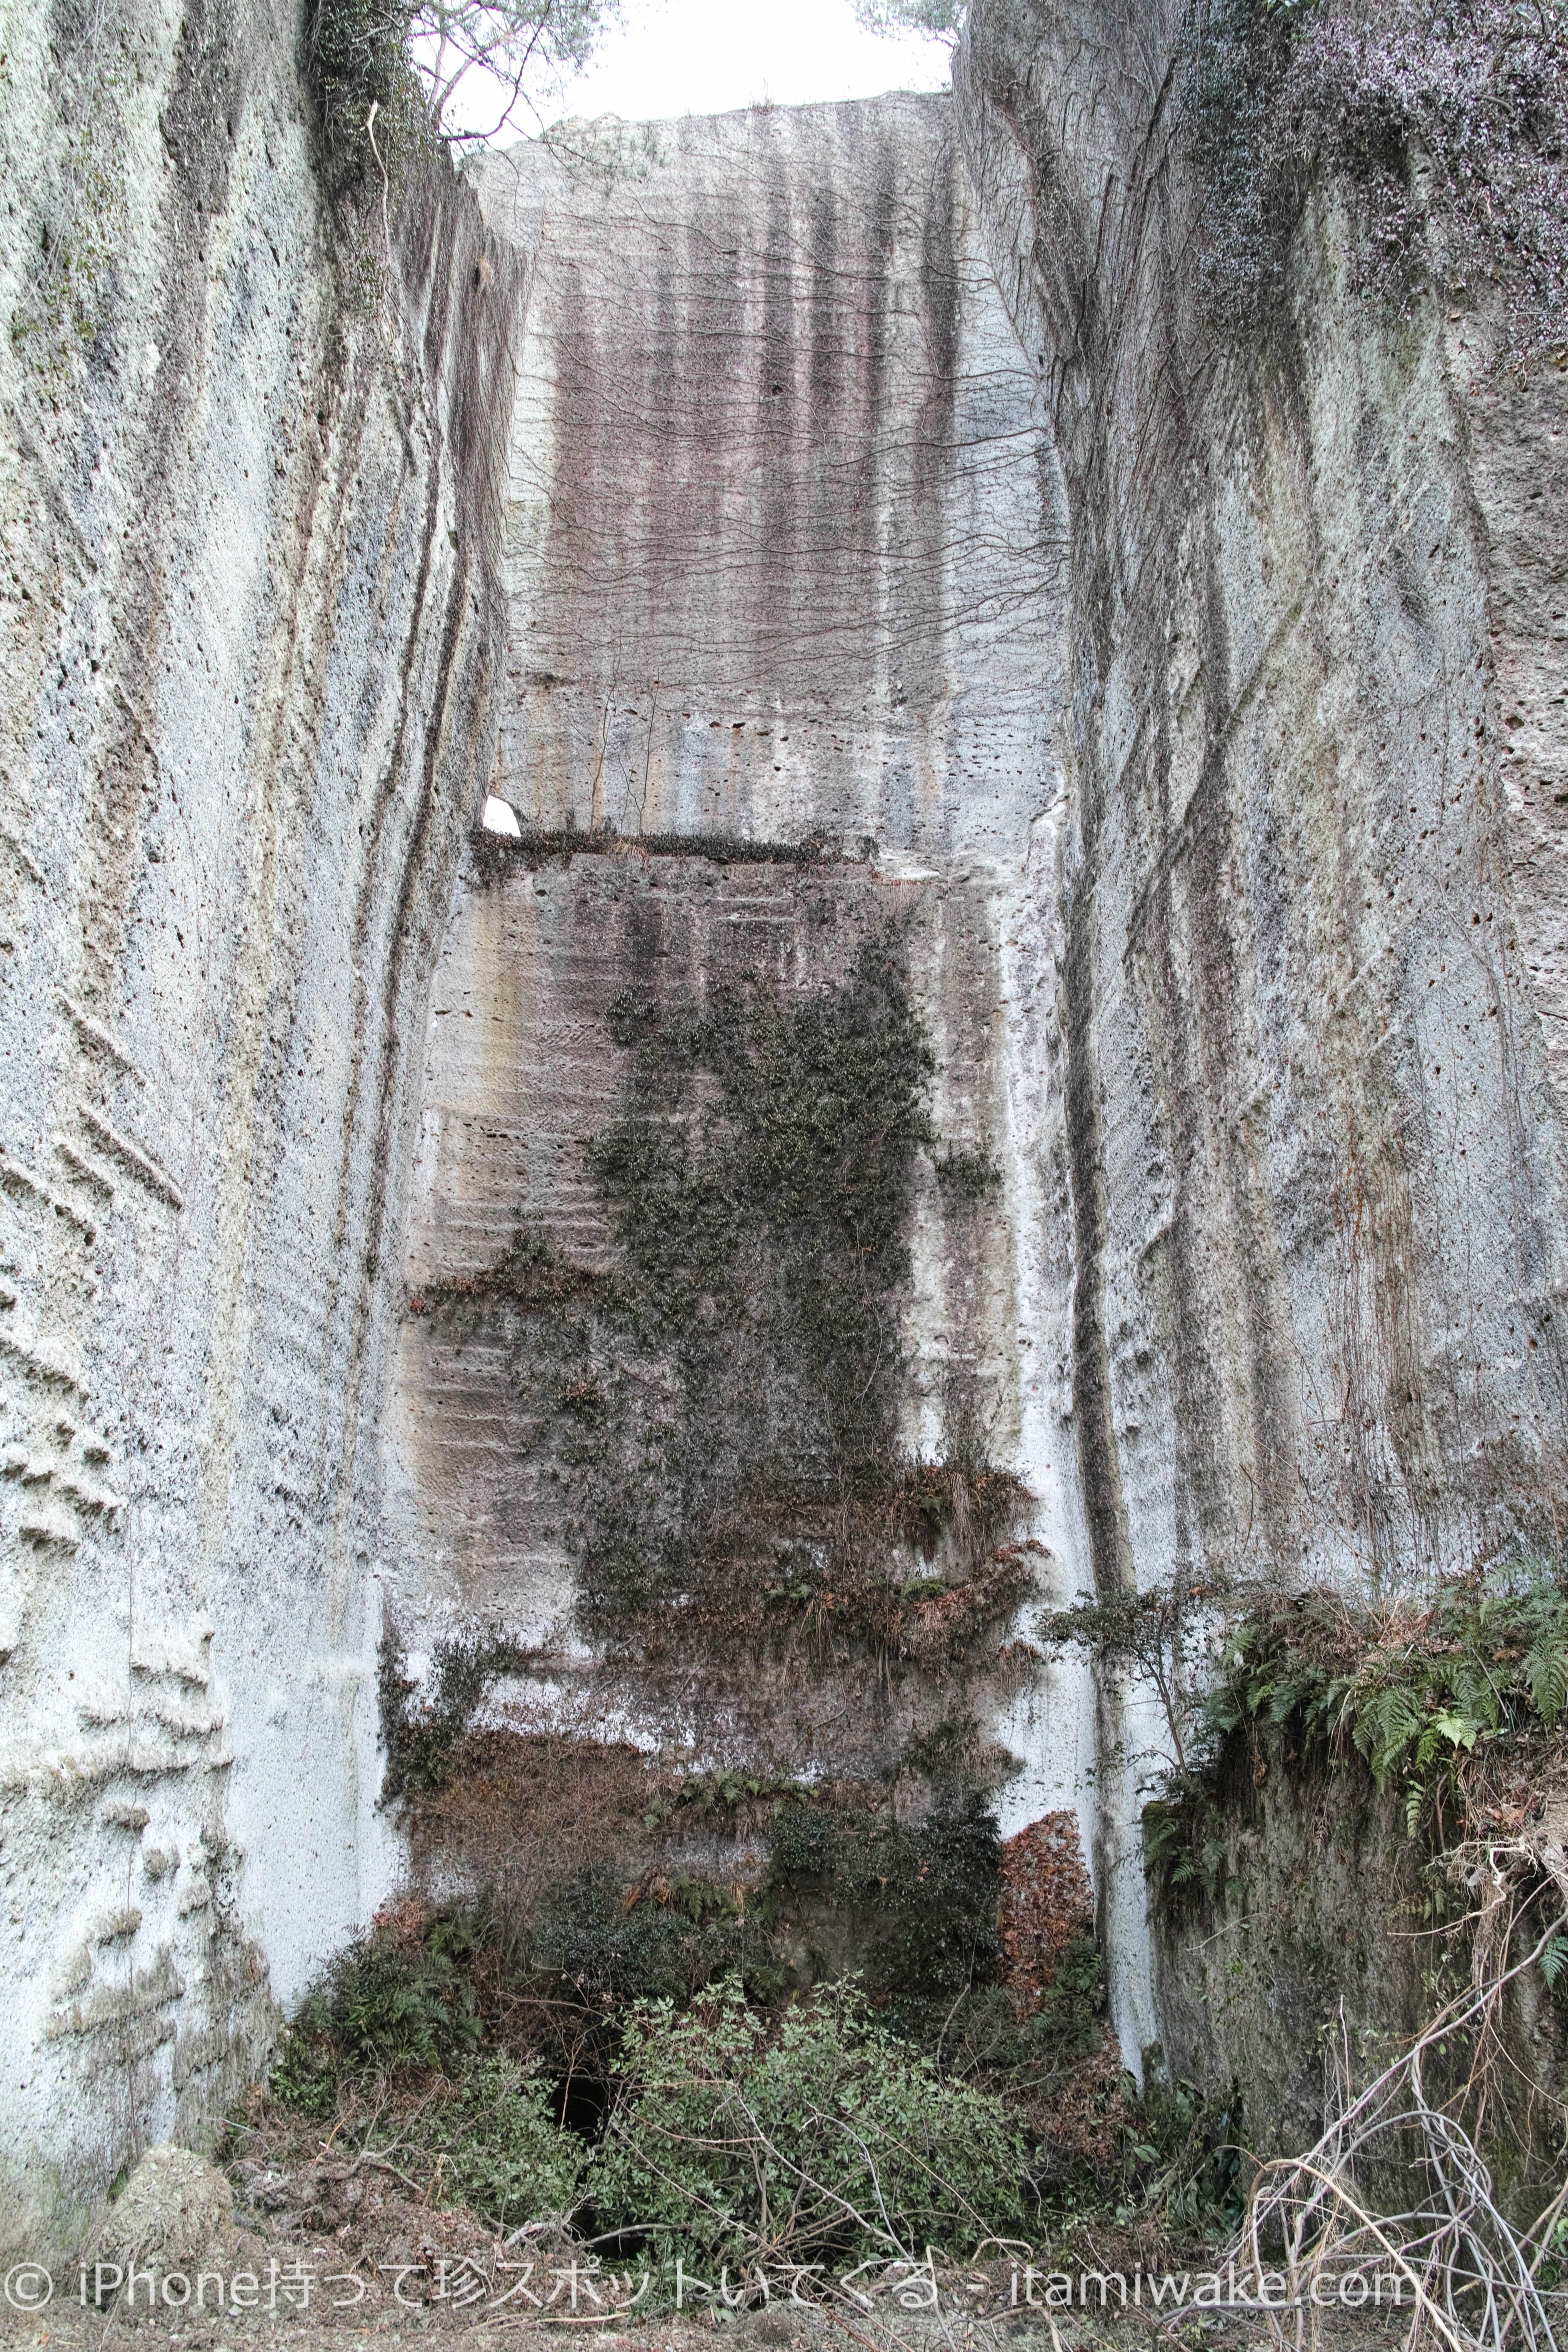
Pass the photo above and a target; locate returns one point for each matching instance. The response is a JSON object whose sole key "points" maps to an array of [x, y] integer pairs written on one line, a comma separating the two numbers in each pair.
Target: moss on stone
{"points": [[721, 1419]]}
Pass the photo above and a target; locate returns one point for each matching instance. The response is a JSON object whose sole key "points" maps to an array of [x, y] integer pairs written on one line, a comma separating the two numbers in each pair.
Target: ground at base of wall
{"points": [[409, 2264], [778, 2330]]}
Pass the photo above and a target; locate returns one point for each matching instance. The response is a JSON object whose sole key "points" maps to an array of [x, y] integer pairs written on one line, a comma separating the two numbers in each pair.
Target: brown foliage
{"points": [[926, 1621], [530, 1277], [1080, 2113], [1046, 1904], [521, 1809]]}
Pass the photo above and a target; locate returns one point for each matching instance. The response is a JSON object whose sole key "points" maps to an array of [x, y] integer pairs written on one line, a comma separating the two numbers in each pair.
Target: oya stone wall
{"points": [[1311, 1006], [1025, 1007], [1317, 875], [252, 621], [1179, 692], [739, 1259]]}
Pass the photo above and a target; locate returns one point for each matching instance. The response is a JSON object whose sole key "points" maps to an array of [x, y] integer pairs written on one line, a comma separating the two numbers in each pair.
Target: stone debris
{"points": [[174, 2214]]}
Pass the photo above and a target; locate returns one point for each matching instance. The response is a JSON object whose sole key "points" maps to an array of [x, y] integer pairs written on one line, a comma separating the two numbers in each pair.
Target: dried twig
{"points": [[1473, 2279]]}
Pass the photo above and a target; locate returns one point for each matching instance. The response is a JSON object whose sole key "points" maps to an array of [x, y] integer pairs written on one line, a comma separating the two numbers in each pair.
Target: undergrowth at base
{"points": [[592, 2081], [821, 2138], [910, 1997]]}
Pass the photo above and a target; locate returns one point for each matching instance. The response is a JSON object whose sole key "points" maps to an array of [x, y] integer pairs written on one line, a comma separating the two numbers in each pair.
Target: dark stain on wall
{"points": [[714, 1407]]}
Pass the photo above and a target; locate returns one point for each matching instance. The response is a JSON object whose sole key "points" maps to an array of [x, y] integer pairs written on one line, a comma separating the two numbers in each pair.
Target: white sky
{"points": [[705, 56]]}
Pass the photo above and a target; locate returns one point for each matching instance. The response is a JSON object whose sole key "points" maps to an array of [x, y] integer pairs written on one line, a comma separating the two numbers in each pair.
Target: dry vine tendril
{"points": [[1448, 128]]}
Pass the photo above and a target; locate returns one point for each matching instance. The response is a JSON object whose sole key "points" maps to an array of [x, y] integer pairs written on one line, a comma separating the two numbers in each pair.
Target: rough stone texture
{"points": [[175, 2214], [783, 517], [1250, 1968], [1270, 1954], [1253, 986], [781, 553], [1195, 714], [251, 617], [1313, 991]]}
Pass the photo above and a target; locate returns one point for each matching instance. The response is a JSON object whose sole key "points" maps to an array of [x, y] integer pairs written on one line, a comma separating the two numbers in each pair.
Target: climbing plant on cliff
{"points": [[356, 53], [1447, 127], [719, 1421], [760, 1181], [387, 73]]}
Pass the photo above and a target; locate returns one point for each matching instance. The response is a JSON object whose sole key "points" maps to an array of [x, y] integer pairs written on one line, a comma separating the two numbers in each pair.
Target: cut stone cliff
{"points": [[782, 552], [252, 617], [1015, 1045], [1312, 1004]]}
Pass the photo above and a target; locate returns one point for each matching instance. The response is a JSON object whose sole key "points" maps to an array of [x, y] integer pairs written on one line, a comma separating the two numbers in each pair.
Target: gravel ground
{"points": [[988, 2325]]}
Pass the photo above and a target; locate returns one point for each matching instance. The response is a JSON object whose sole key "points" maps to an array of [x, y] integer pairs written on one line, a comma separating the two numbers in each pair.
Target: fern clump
{"points": [[1412, 1685]]}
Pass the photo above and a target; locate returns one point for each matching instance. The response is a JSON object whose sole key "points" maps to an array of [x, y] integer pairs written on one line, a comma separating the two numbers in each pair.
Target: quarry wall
{"points": [[1015, 1045], [1274, 1106], [1313, 973], [782, 551], [1271, 1944], [251, 617], [1311, 1003]]}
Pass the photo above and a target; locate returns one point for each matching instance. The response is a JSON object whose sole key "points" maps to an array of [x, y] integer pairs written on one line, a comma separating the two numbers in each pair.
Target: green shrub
{"points": [[485, 2136], [500, 2150], [401, 2001], [820, 2139], [609, 1954], [1181, 2153], [399, 1998]]}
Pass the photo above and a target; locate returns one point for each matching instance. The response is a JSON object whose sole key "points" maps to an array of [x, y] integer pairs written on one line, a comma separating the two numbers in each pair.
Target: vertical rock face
{"points": [[739, 1206], [780, 550], [251, 620], [1182, 690], [1312, 973], [1018, 1041], [1311, 1000]]}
